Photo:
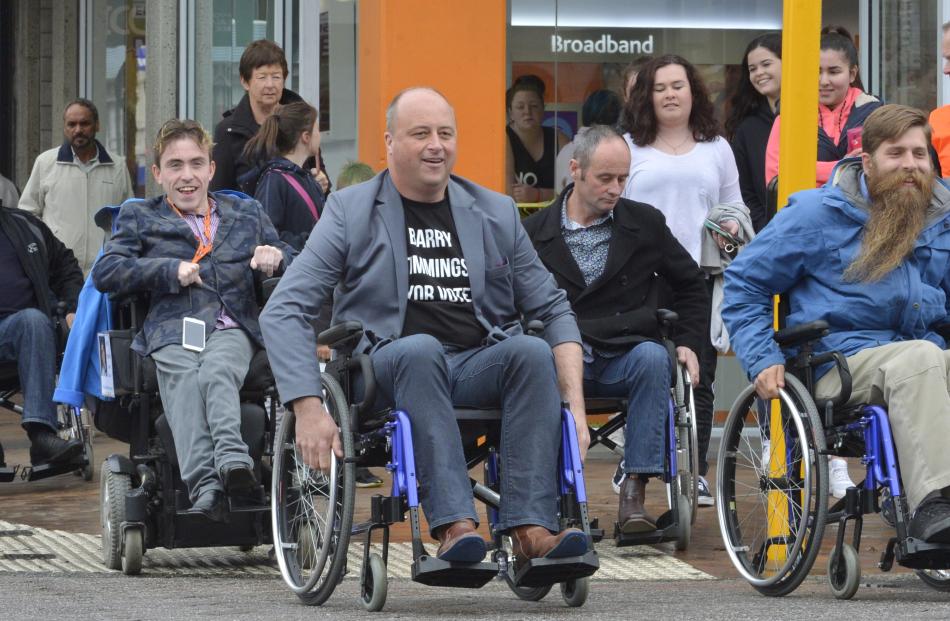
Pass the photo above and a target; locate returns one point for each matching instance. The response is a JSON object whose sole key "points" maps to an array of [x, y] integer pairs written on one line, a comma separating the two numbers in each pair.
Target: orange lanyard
{"points": [[203, 248]]}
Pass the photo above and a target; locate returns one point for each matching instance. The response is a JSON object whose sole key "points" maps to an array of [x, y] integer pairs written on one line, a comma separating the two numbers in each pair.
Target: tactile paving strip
{"points": [[37, 550]]}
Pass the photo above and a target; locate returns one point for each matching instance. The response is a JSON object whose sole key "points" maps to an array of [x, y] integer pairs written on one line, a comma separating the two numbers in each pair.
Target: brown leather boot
{"points": [[531, 541], [632, 516], [460, 543]]}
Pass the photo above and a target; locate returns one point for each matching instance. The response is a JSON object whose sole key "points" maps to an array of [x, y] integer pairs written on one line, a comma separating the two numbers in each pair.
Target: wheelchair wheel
{"points": [[575, 592], [133, 549], [528, 594], [373, 592], [688, 441], [685, 527], [938, 579], [772, 520], [87, 471], [112, 489], [312, 511], [844, 574]]}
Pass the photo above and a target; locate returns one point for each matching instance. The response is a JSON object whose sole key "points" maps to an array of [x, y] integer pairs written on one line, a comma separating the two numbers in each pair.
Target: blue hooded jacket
{"points": [[804, 252]]}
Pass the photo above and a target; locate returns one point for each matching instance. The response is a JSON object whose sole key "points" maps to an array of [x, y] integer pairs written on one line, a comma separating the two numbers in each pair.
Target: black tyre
{"points": [[112, 490], [772, 515], [313, 511], [937, 579], [575, 592], [133, 549]]}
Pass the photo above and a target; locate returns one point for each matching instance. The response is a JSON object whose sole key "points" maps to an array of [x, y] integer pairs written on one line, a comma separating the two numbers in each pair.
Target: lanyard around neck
{"points": [[203, 247]]}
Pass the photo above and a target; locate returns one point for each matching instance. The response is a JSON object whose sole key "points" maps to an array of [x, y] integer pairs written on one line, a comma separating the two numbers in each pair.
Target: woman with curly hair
{"points": [[753, 108], [683, 167]]}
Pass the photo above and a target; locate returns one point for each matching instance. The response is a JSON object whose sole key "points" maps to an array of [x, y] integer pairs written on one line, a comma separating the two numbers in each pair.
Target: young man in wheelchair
{"points": [[195, 253], [870, 254], [36, 271], [439, 272], [606, 253]]}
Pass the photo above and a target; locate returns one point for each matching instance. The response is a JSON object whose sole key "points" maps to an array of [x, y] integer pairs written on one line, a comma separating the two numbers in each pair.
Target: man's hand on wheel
{"points": [[317, 433], [769, 381]]}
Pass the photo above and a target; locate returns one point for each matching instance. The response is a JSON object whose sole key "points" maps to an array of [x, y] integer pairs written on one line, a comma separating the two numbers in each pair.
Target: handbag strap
{"points": [[303, 193]]}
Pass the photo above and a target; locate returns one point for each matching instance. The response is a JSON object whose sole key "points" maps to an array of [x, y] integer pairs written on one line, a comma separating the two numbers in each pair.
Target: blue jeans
{"points": [[642, 376], [27, 338], [418, 375]]}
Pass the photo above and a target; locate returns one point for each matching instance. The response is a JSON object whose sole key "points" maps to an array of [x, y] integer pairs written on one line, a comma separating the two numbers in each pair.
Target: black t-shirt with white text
{"points": [[440, 296]]}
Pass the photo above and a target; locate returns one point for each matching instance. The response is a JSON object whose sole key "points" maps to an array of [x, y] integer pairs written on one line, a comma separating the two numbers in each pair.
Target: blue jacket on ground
{"points": [[805, 250], [79, 374]]}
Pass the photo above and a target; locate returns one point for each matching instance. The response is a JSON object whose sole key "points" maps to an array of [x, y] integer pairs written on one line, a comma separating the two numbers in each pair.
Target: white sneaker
{"points": [[838, 478], [704, 498]]}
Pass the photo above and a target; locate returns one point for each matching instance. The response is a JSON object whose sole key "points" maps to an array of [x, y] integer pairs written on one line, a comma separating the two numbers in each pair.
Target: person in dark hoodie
{"points": [[290, 195], [263, 69], [753, 108]]}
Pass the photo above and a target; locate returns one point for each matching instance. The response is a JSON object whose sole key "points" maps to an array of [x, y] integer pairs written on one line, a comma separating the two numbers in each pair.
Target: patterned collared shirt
{"points": [[588, 244], [195, 222]]}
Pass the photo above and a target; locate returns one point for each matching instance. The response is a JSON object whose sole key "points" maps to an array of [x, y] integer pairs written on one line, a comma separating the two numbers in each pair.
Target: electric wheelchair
{"points": [[681, 454], [772, 477], [142, 497], [71, 423], [313, 511]]}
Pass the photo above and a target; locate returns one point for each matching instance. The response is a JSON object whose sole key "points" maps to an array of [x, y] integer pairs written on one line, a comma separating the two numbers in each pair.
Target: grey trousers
{"points": [[199, 392], [911, 379]]}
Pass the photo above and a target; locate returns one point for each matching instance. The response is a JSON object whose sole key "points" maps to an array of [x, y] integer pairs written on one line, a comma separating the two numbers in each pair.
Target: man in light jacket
{"points": [[71, 182]]}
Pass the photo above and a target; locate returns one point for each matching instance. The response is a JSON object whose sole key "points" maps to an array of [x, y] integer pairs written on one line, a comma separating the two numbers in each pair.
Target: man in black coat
{"points": [[613, 257], [263, 69], [36, 272]]}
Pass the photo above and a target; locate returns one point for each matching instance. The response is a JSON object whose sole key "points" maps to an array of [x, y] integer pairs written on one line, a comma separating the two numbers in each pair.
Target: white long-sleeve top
{"points": [[684, 187]]}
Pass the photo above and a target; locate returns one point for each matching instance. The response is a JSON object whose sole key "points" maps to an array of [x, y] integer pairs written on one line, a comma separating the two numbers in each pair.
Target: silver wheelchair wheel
{"points": [[772, 512], [687, 440], [938, 579], [312, 511]]}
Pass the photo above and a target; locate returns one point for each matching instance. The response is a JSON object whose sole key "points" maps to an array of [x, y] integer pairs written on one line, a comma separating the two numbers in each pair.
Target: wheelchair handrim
{"points": [[721, 505]]}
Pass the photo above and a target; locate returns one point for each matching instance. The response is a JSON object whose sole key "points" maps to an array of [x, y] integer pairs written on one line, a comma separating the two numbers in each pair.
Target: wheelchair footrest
{"points": [[666, 531], [921, 555], [8, 474], [539, 572], [44, 471], [434, 571]]}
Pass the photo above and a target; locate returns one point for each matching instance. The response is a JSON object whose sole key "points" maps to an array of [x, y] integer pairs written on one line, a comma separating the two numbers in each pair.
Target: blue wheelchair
{"points": [[313, 510], [772, 477], [681, 456]]}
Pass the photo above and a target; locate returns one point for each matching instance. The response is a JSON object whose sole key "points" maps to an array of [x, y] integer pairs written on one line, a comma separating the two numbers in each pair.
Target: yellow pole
{"points": [[798, 147]]}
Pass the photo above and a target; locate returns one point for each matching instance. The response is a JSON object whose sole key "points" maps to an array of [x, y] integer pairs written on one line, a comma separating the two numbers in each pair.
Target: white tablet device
{"points": [[193, 334]]}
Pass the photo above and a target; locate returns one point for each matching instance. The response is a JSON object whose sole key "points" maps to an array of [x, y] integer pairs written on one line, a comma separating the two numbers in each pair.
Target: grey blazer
{"points": [[357, 251]]}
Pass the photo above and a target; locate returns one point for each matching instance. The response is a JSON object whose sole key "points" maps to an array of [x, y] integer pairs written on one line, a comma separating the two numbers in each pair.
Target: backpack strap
{"points": [[303, 193]]}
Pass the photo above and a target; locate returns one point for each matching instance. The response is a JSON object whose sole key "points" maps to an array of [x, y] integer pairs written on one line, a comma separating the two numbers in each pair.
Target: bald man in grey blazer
{"points": [[440, 273]]}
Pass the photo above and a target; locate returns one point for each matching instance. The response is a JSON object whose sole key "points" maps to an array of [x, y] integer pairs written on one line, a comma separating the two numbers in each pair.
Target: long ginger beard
{"points": [[897, 213]]}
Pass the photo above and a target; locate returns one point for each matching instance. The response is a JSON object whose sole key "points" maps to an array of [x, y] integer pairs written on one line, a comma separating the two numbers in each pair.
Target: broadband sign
{"points": [[606, 44]]}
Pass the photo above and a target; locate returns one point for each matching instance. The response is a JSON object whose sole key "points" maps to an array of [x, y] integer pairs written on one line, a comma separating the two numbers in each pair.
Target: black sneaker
{"points": [[366, 478], [617, 478], [931, 521]]}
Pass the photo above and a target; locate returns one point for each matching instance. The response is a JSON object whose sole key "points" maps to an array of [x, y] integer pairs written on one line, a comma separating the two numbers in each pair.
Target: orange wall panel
{"points": [[457, 47]]}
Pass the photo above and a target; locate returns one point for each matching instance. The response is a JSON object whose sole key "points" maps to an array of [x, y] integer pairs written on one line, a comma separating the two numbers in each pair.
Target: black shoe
{"points": [[3, 463], [931, 521], [366, 478], [48, 448], [238, 478], [209, 505]]}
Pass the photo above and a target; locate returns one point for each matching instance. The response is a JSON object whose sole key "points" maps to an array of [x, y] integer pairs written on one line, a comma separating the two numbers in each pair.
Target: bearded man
{"points": [[870, 254]]}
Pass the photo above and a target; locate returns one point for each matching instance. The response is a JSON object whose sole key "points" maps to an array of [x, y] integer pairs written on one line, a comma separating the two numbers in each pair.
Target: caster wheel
{"points": [[133, 549], [530, 594], [575, 592], [685, 529], [938, 579], [844, 573], [373, 592]]}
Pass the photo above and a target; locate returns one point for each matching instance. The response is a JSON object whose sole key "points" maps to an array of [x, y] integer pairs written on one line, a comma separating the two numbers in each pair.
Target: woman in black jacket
{"points": [[752, 113], [291, 197]]}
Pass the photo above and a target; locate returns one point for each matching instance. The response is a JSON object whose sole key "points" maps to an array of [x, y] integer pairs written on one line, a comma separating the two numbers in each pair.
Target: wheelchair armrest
{"points": [[666, 320], [342, 336], [264, 287], [844, 375], [794, 336], [535, 327]]}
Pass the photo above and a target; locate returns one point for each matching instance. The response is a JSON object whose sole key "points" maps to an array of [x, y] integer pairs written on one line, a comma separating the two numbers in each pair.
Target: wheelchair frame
{"points": [[390, 443], [139, 498], [838, 428]]}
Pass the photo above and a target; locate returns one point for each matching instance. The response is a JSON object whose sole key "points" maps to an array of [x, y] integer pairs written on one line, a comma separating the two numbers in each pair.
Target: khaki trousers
{"points": [[912, 380]]}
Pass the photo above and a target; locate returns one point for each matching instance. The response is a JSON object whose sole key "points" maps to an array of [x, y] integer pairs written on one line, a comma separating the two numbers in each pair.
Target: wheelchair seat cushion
{"points": [[258, 378]]}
